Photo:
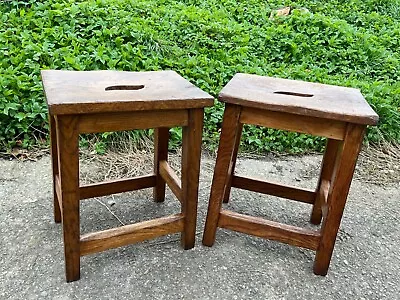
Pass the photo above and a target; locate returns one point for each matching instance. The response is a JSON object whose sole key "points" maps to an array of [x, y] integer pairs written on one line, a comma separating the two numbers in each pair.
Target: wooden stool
{"points": [[101, 101], [337, 113]]}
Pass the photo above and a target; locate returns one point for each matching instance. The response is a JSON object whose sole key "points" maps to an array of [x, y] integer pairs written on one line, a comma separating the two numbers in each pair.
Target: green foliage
{"points": [[350, 43]]}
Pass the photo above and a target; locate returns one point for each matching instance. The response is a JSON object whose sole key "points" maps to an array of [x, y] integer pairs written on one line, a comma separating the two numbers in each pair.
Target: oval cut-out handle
{"points": [[294, 94], [124, 87]]}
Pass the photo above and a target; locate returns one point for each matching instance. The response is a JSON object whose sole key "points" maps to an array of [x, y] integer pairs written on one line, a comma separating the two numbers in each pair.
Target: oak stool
{"points": [[103, 101], [340, 114]]}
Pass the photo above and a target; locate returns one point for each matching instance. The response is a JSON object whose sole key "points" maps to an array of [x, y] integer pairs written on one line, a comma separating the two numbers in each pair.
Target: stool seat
{"points": [[299, 97], [77, 92]]}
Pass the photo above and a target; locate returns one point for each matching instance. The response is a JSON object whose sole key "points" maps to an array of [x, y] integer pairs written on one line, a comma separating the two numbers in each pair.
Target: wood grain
{"points": [[259, 227], [191, 155], [129, 234], [232, 166], [229, 132], [270, 188], [116, 186], [82, 92], [67, 140], [58, 192], [93, 123], [340, 185], [55, 168], [170, 177], [327, 173], [324, 196], [304, 124], [161, 137], [275, 94]]}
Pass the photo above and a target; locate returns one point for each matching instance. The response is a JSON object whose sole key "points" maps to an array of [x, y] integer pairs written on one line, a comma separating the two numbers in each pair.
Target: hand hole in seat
{"points": [[124, 87], [293, 94]]}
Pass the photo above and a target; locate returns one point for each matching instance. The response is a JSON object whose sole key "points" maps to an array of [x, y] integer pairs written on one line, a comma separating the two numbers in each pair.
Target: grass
{"points": [[350, 43]]}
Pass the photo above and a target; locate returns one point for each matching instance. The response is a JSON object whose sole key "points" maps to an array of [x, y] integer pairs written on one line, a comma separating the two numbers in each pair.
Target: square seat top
{"points": [[82, 92], [299, 98]]}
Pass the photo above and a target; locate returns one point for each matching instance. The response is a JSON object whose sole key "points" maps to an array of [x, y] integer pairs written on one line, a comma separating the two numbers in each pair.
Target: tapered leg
{"points": [[191, 155], [161, 136], [230, 127], [67, 139], [54, 165], [345, 165], [327, 172], [231, 170]]}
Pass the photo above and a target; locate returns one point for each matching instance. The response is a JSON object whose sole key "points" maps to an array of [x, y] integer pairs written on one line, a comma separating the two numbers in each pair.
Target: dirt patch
{"points": [[379, 164]]}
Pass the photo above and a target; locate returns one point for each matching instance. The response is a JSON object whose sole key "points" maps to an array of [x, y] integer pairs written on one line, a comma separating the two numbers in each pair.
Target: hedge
{"points": [[350, 43]]}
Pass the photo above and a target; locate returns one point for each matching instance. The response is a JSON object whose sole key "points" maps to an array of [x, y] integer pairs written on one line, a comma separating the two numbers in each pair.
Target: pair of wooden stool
{"points": [[100, 101]]}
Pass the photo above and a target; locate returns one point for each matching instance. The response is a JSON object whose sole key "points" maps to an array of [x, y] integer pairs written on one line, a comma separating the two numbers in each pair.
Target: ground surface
{"points": [[365, 263]]}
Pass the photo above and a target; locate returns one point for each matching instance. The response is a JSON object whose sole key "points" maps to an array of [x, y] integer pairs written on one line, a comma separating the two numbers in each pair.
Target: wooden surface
{"points": [[344, 168], [332, 129], [103, 122], [229, 132], [326, 174], [288, 234], [191, 155], [275, 189], [67, 140], [128, 234], [116, 186], [161, 137], [79, 92], [58, 194], [172, 180], [55, 169], [232, 166], [327, 101], [324, 196]]}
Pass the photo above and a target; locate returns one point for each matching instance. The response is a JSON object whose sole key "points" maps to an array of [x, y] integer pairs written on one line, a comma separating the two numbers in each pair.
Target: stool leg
{"points": [[68, 152], [229, 132], [231, 171], [54, 165], [327, 170], [345, 165], [191, 155], [161, 136]]}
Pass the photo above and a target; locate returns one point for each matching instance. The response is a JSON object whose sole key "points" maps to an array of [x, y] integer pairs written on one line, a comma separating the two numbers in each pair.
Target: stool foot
{"points": [[316, 216], [72, 271], [161, 136], [320, 270], [208, 242], [229, 133], [71, 233]]}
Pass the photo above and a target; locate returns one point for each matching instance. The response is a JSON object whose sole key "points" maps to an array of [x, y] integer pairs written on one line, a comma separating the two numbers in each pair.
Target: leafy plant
{"points": [[354, 43]]}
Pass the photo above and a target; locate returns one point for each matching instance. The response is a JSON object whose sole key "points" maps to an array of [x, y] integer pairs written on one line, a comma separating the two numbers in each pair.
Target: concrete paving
{"points": [[365, 263]]}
